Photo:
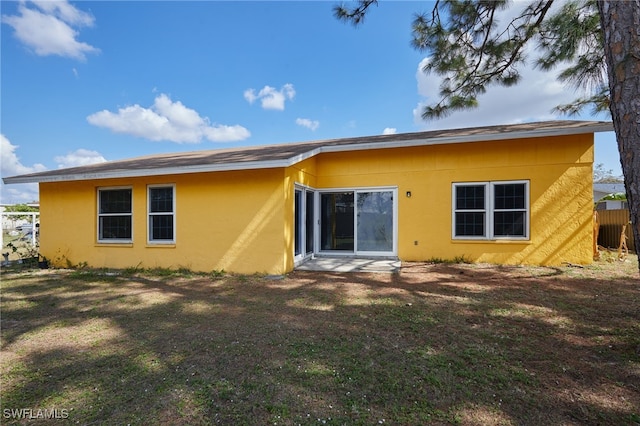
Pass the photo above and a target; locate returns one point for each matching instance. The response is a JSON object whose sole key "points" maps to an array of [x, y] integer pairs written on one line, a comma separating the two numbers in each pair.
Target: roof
{"points": [[609, 188], [284, 155]]}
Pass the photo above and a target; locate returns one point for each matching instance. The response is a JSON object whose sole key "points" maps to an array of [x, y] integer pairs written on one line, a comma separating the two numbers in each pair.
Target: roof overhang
{"points": [[160, 171], [591, 127]]}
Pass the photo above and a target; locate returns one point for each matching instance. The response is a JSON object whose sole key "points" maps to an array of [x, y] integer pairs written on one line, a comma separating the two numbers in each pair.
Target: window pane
{"points": [[470, 224], [509, 196], [115, 201], [115, 227], [161, 200], [470, 197], [375, 221], [310, 227], [509, 224], [297, 222], [337, 221], [161, 227]]}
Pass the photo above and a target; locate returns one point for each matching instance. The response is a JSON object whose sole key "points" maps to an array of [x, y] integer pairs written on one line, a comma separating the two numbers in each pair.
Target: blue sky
{"points": [[84, 82]]}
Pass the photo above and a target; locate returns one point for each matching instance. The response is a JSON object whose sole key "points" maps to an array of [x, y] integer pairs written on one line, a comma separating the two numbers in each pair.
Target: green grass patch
{"points": [[456, 259], [487, 346]]}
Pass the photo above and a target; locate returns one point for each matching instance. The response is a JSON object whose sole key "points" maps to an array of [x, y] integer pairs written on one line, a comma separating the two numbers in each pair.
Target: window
{"points": [[161, 214], [114, 215], [471, 211], [509, 210], [491, 210]]}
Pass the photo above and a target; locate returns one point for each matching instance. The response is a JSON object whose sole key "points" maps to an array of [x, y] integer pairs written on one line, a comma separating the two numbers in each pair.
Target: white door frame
{"points": [[302, 216]]}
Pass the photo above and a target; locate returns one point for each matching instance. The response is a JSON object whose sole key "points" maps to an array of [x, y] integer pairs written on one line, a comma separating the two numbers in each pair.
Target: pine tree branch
{"points": [[482, 64], [355, 15]]}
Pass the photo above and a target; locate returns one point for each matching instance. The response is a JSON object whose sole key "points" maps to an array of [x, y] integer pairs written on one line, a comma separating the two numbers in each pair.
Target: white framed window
{"points": [[114, 215], [161, 207], [491, 210]]}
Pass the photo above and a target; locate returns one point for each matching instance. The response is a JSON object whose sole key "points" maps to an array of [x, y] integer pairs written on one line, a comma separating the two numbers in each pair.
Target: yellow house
{"points": [[513, 194]]}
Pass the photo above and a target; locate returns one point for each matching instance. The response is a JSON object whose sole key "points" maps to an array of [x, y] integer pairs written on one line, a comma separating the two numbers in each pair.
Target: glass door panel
{"points": [[337, 221], [297, 223], [309, 229], [303, 222], [374, 221]]}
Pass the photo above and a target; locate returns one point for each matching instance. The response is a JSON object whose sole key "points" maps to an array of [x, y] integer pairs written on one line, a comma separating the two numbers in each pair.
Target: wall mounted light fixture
{"points": [[408, 194]]}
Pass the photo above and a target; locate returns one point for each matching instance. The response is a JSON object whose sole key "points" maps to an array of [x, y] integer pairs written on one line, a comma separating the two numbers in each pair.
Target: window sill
{"points": [[114, 244], [490, 241], [160, 245]]}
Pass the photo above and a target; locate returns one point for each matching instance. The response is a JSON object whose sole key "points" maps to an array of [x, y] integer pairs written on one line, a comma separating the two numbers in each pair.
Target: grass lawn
{"points": [[432, 344]]}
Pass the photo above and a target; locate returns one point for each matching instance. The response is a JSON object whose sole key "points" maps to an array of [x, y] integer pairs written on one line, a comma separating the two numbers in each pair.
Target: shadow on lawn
{"points": [[445, 344]]}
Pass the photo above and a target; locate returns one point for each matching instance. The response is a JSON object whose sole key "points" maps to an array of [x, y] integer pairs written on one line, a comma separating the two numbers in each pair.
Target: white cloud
{"points": [[389, 131], [51, 28], [11, 166], [530, 100], [65, 11], [224, 133], [79, 157], [309, 124], [10, 163], [250, 95], [166, 120], [270, 98]]}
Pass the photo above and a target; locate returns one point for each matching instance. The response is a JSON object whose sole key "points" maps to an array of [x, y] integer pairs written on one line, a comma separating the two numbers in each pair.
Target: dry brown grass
{"points": [[433, 344]]}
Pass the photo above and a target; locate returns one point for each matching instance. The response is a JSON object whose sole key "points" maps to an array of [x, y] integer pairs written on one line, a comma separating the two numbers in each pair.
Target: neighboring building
{"points": [[11, 221], [513, 194], [601, 190]]}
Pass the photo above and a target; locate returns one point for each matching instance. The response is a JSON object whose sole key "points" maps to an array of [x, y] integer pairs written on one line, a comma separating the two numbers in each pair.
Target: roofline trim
{"points": [[200, 168], [595, 128], [252, 165]]}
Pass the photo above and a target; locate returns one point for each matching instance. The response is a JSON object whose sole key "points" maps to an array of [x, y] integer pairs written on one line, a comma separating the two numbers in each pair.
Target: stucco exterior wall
{"points": [[242, 221], [230, 221], [559, 170]]}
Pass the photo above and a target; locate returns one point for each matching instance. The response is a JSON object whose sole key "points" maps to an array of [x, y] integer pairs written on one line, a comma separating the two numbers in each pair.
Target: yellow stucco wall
{"points": [[230, 221], [559, 170], [243, 221]]}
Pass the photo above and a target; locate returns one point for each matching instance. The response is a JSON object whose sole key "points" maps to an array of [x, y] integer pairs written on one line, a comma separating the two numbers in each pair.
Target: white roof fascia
{"points": [[200, 168], [600, 127], [252, 165], [471, 138]]}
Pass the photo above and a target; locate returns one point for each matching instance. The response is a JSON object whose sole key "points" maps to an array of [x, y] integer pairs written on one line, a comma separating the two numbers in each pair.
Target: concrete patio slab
{"points": [[349, 264]]}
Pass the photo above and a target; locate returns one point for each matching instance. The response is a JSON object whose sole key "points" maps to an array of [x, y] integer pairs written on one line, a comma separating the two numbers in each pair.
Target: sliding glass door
{"points": [[359, 222]]}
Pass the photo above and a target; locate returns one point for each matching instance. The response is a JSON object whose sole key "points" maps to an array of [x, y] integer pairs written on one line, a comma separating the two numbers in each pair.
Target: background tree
{"points": [[598, 43], [602, 175], [19, 208]]}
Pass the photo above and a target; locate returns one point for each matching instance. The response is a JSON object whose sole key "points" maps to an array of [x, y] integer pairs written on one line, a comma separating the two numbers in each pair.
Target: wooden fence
{"points": [[611, 222]]}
